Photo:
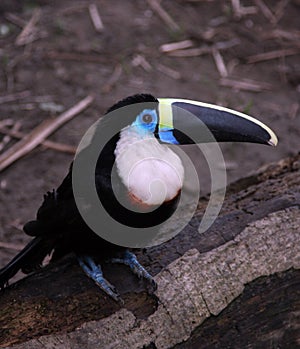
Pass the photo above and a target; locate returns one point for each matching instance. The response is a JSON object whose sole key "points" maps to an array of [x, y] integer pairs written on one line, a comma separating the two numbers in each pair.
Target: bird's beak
{"points": [[182, 121]]}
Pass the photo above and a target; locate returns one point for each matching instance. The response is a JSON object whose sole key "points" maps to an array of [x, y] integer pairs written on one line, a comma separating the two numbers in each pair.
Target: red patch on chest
{"points": [[138, 204], [142, 207]]}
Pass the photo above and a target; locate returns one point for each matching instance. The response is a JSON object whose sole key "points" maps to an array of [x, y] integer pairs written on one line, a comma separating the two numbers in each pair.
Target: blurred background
{"points": [[53, 54]]}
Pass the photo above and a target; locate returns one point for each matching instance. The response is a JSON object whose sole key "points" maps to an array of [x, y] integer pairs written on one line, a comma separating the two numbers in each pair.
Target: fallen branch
{"points": [[192, 52], [236, 7], [291, 35], [172, 73], [140, 60], [29, 32], [174, 46], [220, 63], [280, 8], [115, 76], [273, 55], [65, 148], [40, 133], [246, 84], [14, 96], [11, 246], [240, 11], [14, 19], [163, 14], [222, 45], [266, 11], [6, 122], [7, 138], [76, 8], [95, 17]]}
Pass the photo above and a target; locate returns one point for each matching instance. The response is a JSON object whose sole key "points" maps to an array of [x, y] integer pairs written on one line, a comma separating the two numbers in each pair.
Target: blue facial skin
{"points": [[166, 135], [146, 123]]}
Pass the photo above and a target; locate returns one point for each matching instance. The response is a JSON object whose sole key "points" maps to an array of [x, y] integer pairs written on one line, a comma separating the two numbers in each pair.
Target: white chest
{"points": [[151, 172]]}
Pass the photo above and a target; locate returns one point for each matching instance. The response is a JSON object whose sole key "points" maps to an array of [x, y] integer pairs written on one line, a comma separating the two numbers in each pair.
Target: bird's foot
{"points": [[94, 272], [129, 258]]}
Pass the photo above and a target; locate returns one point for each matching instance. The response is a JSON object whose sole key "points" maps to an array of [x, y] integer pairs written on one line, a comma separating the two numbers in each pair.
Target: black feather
{"points": [[29, 259], [138, 98], [58, 227]]}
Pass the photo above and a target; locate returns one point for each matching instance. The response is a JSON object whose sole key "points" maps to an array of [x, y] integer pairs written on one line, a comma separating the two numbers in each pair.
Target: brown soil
{"points": [[69, 60]]}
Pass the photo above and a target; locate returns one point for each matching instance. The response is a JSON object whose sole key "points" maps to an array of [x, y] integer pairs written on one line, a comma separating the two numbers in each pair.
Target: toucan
{"points": [[132, 156]]}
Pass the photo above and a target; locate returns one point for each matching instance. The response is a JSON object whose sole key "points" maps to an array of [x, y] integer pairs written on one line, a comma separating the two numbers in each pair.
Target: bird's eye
{"points": [[147, 119]]}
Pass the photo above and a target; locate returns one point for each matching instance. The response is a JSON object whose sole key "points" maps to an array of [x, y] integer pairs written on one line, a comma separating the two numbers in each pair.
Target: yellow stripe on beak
{"points": [[165, 113]]}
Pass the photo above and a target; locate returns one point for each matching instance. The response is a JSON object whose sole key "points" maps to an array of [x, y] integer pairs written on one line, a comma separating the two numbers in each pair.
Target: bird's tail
{"points": [[29, 259]]}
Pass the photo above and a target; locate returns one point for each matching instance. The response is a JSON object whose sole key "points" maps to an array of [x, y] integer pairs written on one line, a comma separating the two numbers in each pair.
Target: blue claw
{"points": [[94, 272], [130, 259]]}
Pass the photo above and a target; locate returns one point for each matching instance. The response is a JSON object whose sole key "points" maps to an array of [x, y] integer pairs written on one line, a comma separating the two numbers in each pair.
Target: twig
{"points": [[29, 32], [294, 110], [279, 10], [209, 34], [273, 55], [14, 96], [140, 60], [7, 138], [16, 223], [6, 122], [163, 14], [231, 65], [113, 79], [236, 6], [222, 45], [70, 56], [174, 46], [216, 22], [249, 10], [64, 148], [95, 17], [73, 8], [266, 11], [291, 35], [240, 11], [192, 52], [174, 74], [14, 19], [246, 84], [10, 246], [220, 63], [40, 133]]}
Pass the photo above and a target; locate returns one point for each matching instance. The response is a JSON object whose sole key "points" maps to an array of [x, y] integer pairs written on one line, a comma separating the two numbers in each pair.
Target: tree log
{"points": [[236, 285]]}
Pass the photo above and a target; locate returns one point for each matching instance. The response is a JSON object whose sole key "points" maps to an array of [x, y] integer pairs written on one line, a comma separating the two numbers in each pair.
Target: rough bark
{"points": [[236, 285]]}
